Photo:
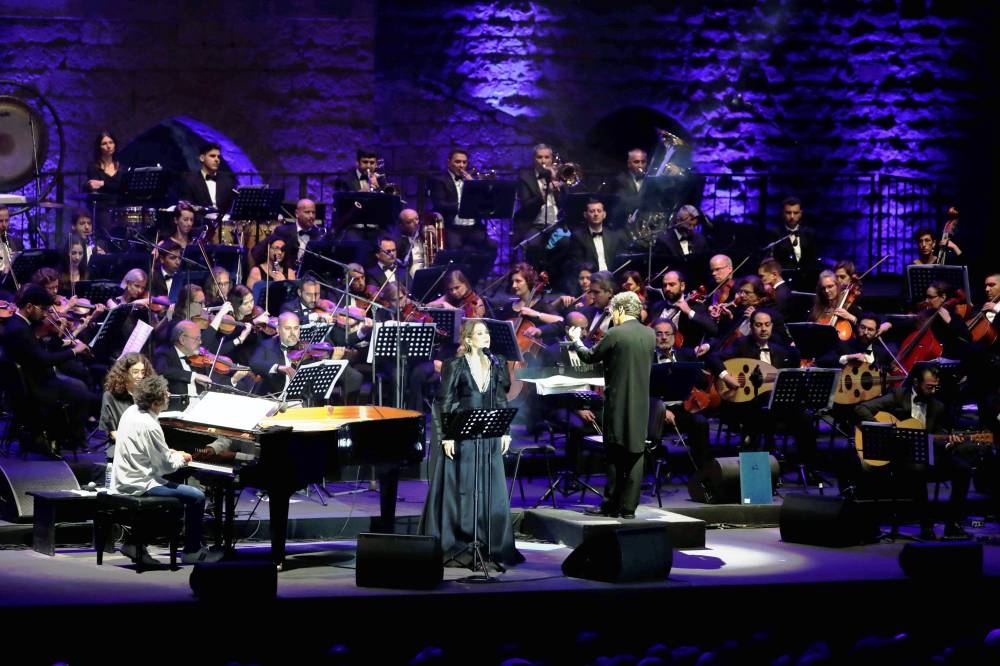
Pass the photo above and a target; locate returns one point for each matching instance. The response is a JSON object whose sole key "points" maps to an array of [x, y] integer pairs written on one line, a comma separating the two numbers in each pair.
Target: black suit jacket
{"points": [[583, 250], [745, 347], [785, 253], [444, 196], [529, 196], [375, 275], [267, 354], [168, 363], [158, 284], [21, 346], [194, 189], [899, 403], [668, 243], [831, 359], [783, 300], [629, 194]]}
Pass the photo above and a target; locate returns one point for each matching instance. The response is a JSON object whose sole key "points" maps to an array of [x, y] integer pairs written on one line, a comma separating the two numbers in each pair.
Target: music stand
{"points": [[427, 282], [110, 332], [97, 291], [889, 445], [369, 211], [488, 199], [672, 383], [503, 342], [114, 265], [27, 262], [475, 425], [314, 379], [184, 278], [919, 276], [449, 321], [315, 332], [473, 264], [226, 256], [803, 391], [813, 340], [401, 341], [143, 184]]}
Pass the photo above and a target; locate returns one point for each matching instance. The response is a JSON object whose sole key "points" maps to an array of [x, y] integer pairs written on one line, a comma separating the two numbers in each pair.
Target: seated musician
{"points": [[60, 327], [133, 290], [751, 416], [634, 282], [827, 303], [459, 295], [721, 268], [217, 287], [928, 248], [918, 399], [734, 316], [943, 303], [166, 265], [141, 462], [581, 296], [42, 368], [682, 238], [663, 417], [596, 244], [271, 261], [310, 308], [171, 361], [689, 317], [387, 266], [602, 288], [769, 272]]}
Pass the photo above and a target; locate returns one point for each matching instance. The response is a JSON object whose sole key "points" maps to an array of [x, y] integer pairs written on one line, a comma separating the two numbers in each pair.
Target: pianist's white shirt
{"points": [[141, 454]]}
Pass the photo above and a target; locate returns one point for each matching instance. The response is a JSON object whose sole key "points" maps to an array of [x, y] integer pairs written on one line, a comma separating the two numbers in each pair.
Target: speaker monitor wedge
{"points": [[19, 477], [820, 520], [622, 555], [402, 561], [942, 560]]}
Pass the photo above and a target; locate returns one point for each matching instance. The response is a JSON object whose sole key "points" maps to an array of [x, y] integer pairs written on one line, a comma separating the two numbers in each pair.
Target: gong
{"points": [[18, 122]]}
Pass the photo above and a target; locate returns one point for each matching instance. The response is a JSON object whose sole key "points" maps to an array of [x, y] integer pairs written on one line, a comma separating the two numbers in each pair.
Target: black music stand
{"points": [[315, 332], [109, 337], [428, 283], [503, 342], [673, 383], [114, 265], [807, 391], [896, 447], [97, 291], [314, 379], [257, 203], [226, 256], [488, 199], [400, 342], [919, 276], [813, 340], [475, 425], [143, 185], [368, 212], [449, 321], [27, 262], [473, 264]]}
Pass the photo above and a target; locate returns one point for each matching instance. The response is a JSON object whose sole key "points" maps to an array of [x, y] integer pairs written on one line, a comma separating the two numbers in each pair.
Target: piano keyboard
{"points": [[209, 467]]}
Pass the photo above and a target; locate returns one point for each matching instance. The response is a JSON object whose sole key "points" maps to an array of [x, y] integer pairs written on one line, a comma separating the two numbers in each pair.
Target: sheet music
{"points": [[228, 410], [563, 384], [136, 341]]}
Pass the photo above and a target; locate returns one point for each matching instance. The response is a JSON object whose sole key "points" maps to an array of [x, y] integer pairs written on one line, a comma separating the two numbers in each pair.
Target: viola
{"points": [[471, 305], [227, 325], [159, 304], [700, 399]]}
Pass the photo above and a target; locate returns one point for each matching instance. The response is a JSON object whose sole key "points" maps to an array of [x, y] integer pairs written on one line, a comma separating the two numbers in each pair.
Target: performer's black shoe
{"points": [[601, 511]]}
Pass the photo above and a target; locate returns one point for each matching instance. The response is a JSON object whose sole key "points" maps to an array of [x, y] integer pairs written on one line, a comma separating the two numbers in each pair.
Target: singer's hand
{"points": [[449, 447]]}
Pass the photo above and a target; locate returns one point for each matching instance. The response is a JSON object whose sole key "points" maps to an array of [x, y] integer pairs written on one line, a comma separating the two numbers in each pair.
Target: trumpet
{"points": [[379, 181], [569, 173], [432, 235]]}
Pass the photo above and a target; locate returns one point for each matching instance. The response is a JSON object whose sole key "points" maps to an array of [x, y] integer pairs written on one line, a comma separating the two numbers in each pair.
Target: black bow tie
{"points": [[920, 399], [458, 179], [596, 234], [210, 176], [764, 348]]}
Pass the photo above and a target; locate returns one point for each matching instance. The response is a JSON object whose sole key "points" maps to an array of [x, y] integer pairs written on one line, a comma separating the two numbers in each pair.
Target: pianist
{"points": [[142, 460]]}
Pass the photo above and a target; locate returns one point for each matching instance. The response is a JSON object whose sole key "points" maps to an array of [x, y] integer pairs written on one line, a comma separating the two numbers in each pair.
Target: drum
{"points": [[254, 232], [130, 217]]}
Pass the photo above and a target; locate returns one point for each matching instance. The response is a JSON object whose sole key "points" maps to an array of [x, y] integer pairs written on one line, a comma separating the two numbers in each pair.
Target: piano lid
{"points": [[307, 419]]}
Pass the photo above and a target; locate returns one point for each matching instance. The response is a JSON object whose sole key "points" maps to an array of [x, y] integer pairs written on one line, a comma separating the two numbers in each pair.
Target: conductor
{"points": [[625, 353]]}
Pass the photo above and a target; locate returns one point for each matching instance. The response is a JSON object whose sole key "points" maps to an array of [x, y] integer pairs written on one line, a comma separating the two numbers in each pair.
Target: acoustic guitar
{"points": [[755, 378], [979, 436]]}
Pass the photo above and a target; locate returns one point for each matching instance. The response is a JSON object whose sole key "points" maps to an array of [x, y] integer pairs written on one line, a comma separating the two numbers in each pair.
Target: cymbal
{"points": [[50, 204], [18, 200]]}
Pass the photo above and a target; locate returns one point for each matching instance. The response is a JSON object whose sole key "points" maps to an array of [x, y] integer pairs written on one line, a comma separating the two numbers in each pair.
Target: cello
{"points": [[921, 345], [980, 327], [528, 345]]}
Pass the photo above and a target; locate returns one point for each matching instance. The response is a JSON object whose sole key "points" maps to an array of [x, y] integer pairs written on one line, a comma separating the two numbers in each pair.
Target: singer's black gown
{"points": [[449, 509]]}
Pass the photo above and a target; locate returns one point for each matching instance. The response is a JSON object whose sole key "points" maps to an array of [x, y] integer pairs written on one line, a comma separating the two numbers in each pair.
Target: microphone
{"points": [[493, 359]]}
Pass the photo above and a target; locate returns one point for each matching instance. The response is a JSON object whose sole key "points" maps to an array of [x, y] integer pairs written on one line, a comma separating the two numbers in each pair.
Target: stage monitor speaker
{"points": [[820, 520], [622, 555], [18, 477], [721, 478], [942, 560], [403, 561], [249, 580]]}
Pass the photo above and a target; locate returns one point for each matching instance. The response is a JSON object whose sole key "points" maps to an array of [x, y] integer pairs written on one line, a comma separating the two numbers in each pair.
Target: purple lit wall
{"points": [[849, 87]]}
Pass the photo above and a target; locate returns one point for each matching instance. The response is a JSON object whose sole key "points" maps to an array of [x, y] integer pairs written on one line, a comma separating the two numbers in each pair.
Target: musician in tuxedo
{"points": [[628, 185], [795, 243], [538, 194], [602, 288], [918, 399], [209, 186], [362, 178], [170, 361], [46, 383], [757, 425], [626, 354], [664, 417], [690, 318], [445, 191], [387, 266], [597, 244], [166, 266], [682, 239], [410, 247], [769, 272], [303, 230], [83, 226]]}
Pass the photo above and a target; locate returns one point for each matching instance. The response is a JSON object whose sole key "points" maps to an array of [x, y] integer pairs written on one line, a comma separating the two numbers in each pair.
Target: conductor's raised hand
{"points": [[574, 333]]}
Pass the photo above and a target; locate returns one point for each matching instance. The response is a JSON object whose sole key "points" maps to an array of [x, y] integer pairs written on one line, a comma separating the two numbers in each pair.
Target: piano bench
{"points": [[517, 453], [147, 517]]}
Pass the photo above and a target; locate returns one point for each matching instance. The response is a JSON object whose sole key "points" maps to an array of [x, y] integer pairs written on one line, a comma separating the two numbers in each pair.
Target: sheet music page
{"points": [[229, 410], [136, 341]]}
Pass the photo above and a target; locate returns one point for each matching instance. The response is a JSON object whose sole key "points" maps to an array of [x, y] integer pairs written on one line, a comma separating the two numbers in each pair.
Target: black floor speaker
{"points": [[820, 520], [251, 580], [17, 477], [720, 477], [403, 561], [622, 555], [942, 560]]}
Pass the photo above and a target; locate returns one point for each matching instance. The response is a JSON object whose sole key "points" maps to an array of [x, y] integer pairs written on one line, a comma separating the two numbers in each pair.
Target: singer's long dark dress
{"points": [[449, 509]]}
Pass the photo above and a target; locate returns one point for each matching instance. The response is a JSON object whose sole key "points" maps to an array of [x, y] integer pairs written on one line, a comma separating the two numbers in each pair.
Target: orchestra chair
{"points": [[517, 453], [145, 517], [30, 420]]}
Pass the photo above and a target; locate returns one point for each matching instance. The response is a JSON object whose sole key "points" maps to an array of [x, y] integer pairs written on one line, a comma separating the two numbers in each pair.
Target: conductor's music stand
{"points": [[401, 341], [813, 340], [27, 262], [803, 390], [475, 425], [488, 199], [314, 379], [919, 276], [886, 444]]}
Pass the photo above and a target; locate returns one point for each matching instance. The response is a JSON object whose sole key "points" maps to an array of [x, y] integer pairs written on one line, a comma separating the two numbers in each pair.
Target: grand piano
{"points": [[297, 447]]}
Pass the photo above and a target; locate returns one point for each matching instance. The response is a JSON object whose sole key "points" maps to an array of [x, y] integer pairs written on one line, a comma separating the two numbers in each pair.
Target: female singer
{"points": [[470, 380], [104, 174], [277, 266], [119, 384]]}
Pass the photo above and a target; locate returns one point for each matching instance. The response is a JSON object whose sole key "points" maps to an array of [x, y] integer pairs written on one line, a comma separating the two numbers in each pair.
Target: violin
{"points": [[227, 325], [220, 364], [158, 304], [310, 352], [472, 306], [268, 327]]}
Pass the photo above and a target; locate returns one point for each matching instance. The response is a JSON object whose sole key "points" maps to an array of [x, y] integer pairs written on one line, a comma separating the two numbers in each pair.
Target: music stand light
{"points": [[892, 446], [475, 425]]}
